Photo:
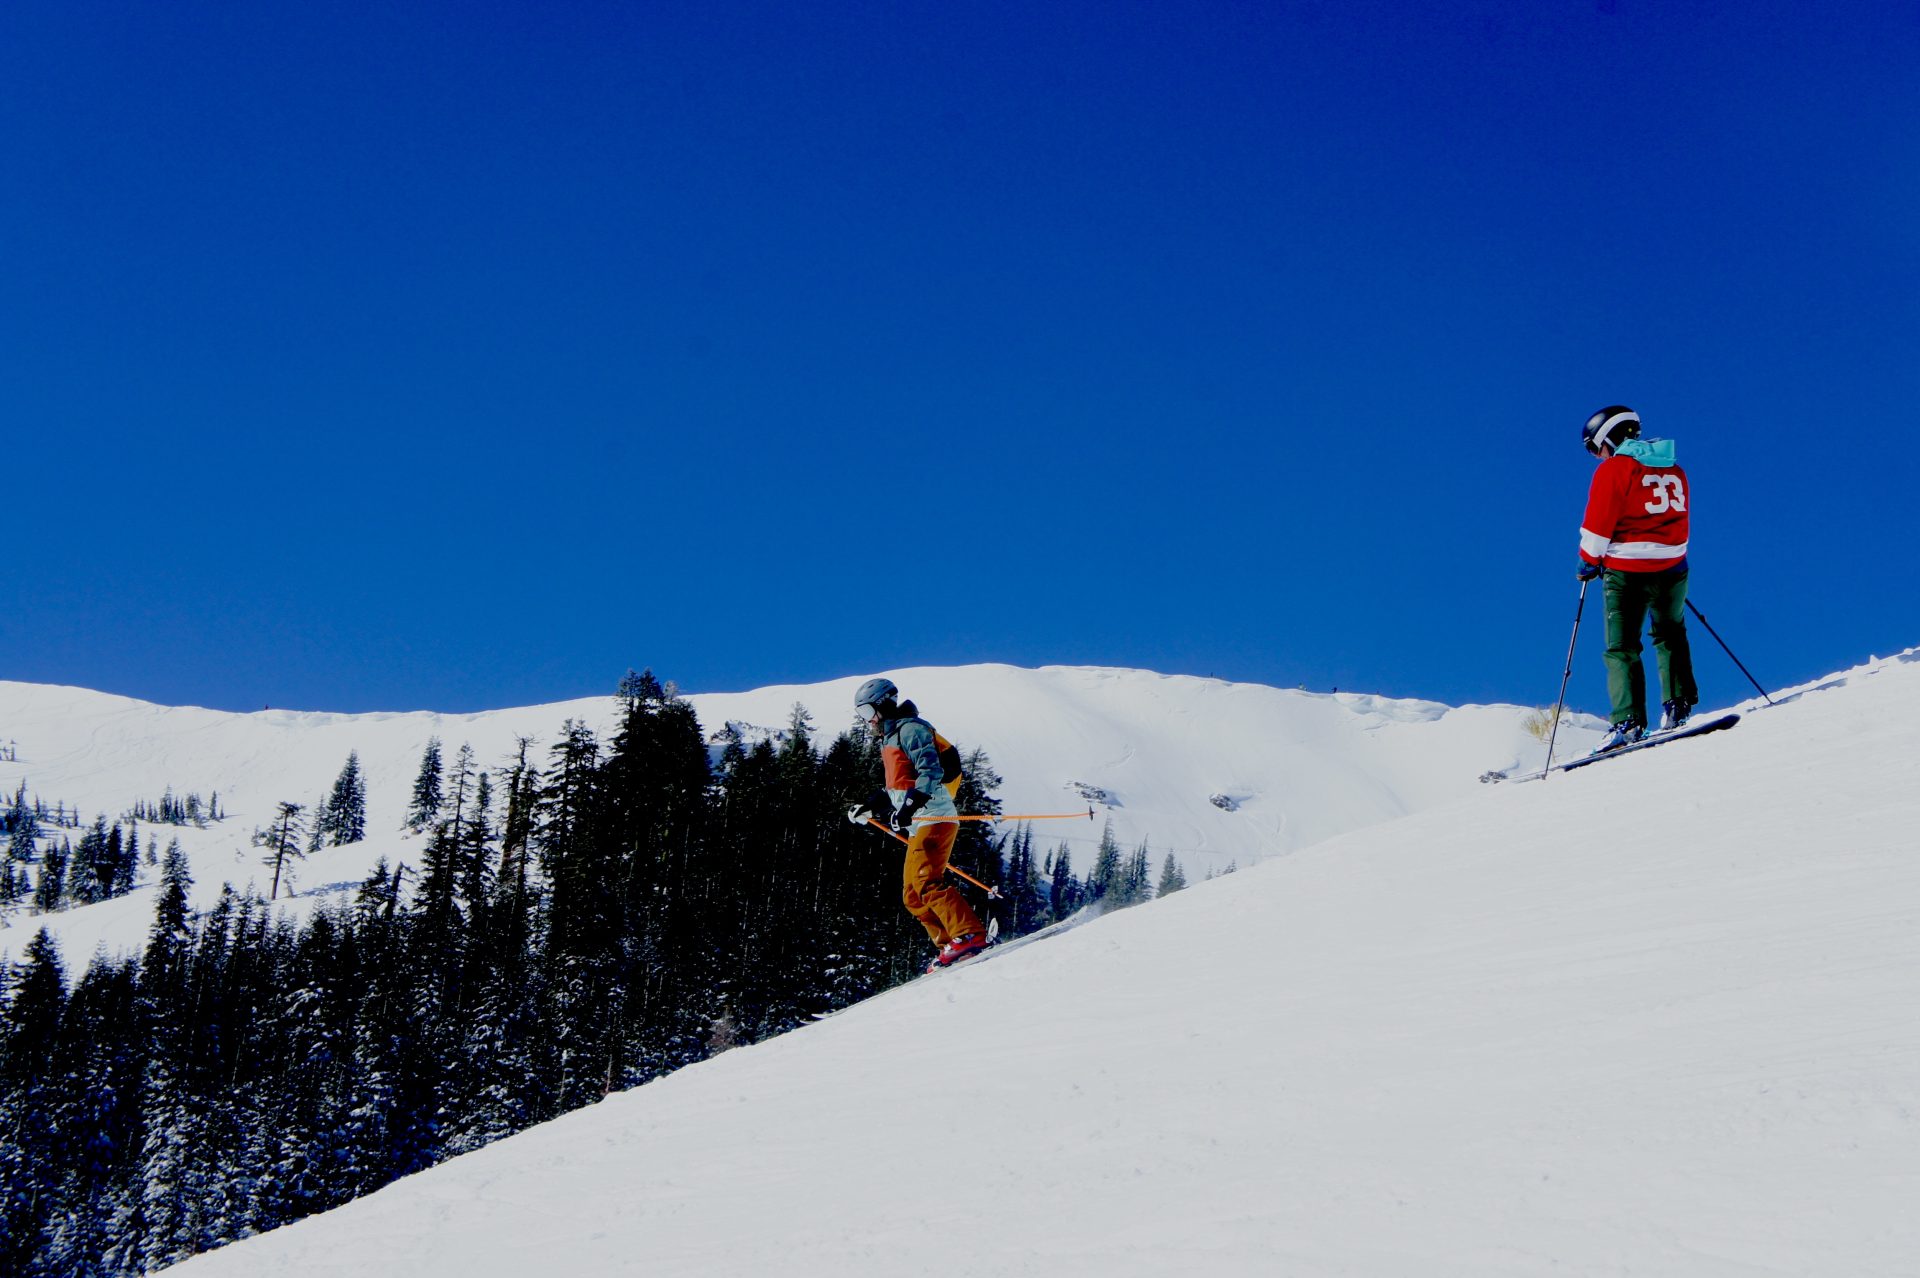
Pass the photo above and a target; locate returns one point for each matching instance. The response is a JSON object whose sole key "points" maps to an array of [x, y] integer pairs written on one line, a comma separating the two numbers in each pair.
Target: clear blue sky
{"points": [[402, 355]]}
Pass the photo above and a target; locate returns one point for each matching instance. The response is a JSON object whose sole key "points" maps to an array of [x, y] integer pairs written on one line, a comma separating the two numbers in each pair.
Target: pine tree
{"points": [[523, 785], [99, 1062], [50, 889], [171, 911], [424, 809], [1104, 879], [1028, 906], [476, 868], [1065, 893], [33, 1112], [26, 829], [1136, 879], [317, 829], [282, 843], [89, 864], [346, 808], [1172, 877]]}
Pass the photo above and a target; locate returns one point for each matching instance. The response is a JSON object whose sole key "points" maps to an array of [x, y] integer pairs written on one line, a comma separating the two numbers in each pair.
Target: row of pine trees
{"points": [[578, 923], [106, 861]]}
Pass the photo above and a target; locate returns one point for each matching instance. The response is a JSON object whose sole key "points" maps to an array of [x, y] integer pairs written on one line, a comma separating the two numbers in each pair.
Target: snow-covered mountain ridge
{"points": [[1217, 772], [1654, 1017]]}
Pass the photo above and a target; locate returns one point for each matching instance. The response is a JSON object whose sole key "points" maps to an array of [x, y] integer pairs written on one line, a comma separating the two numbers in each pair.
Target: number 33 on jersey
{"points": [[1636, 518]]}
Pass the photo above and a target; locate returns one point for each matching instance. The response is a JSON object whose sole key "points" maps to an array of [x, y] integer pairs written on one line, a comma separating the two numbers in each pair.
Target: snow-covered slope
{"points": [[1289, 768], [1656, 1017]]}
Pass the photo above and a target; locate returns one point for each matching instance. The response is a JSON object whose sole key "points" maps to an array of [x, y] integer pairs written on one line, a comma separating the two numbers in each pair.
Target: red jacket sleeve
{"points": [[1604, 499]]}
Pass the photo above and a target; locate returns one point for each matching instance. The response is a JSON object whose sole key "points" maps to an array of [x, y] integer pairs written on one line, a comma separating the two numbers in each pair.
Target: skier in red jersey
{"points": [[1634, 534]]}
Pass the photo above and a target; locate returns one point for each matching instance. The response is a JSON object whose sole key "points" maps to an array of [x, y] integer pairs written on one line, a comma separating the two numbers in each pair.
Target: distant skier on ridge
{"points": [[1634, 533], [922, 778]]}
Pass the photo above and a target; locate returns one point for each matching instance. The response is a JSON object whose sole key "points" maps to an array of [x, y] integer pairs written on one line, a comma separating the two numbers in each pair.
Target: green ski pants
{"points": [[1632, 598]]}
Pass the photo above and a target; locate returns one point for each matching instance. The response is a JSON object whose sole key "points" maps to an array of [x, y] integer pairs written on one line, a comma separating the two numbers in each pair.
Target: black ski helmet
{"points": [[1609, 428], [878, 693]]}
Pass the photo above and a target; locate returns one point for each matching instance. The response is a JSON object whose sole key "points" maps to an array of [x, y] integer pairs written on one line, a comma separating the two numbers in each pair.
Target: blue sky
{"points": [[383, 356]]}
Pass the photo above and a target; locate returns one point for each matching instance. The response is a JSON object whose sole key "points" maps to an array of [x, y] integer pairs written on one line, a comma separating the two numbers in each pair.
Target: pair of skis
{"points": [[1717, 724]]}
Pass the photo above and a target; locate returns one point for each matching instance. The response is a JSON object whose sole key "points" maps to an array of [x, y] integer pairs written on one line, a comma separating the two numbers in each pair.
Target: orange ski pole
{"points": [[1014, 816], [992, 892]]}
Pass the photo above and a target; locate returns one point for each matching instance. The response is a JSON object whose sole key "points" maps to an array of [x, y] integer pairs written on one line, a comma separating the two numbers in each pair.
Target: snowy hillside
{"points": [[1654, 1017], [1216, 772]]}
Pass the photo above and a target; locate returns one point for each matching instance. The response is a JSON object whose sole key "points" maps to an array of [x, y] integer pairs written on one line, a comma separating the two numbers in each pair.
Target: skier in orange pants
{"points": [[922, 778]]}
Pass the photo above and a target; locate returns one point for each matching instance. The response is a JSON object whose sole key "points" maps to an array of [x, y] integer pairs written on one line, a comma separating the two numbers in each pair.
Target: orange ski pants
{"points": [[930, 896]]}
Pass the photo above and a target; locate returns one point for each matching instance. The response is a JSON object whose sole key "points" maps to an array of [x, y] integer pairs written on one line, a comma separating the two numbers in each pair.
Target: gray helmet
{"points": [[879, 693], [1609, 428]]}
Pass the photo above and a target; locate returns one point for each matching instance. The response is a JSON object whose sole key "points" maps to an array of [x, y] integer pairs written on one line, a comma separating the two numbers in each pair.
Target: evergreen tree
{"points": [[346, 808], [50, 889], [1028, 905], [282, 842], [1172, 877], [516, 829], [97, 1064], [1104, 879], [166, 1227], [460, 778], [1065, 894], [91, 866], [169, 935], [36, 1150], [127, 864], [1136, 879], [424, 809], [476, 866], [25, 829], [317, 828], [581, 936]]}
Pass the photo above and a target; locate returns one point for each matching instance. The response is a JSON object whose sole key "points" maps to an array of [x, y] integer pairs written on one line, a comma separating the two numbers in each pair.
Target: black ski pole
{"points": [[1723, 646], [1566, 675]]}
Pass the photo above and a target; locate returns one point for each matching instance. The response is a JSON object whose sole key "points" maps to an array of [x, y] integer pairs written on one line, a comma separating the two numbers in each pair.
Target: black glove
{"points": [[903, 816], [1589, 571], [870, 808]]}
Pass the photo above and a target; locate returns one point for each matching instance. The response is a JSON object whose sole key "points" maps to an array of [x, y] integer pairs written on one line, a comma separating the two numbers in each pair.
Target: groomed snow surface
{"points": [[1660, 1016]]}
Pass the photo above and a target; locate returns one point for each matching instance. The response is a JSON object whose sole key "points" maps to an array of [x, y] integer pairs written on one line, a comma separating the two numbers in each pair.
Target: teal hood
{"points": [[1648, 452]]}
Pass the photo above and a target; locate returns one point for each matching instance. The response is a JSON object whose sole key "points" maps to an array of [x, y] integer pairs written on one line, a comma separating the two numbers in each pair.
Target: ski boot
{"points": [[1674, 714], [1623, 733], [958, 948]]}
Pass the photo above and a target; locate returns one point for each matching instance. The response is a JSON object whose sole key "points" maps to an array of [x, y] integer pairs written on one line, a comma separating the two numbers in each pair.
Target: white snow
{"points": [[1657, 1017], [1301, 766]]}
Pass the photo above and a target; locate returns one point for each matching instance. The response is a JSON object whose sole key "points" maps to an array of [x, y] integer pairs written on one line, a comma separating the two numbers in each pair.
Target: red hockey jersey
{"points": [[1636, 518]]}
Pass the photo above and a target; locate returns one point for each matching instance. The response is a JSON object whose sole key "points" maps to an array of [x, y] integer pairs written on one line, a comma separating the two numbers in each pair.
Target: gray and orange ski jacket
{"points": [[918, 758]]}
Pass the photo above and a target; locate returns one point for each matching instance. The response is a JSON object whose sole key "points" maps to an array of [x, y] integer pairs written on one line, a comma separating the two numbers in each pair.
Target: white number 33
{"points": [[1669, 493]]}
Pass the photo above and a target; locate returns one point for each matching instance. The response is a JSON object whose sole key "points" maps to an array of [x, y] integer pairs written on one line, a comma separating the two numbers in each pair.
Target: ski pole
{"points": [[993, 893], [1723, 645], [1566, 675], [1012, 816]]}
